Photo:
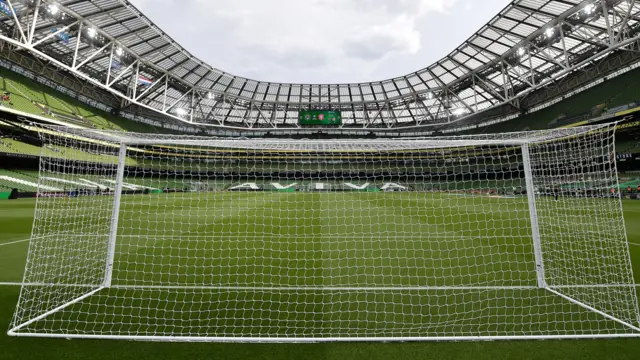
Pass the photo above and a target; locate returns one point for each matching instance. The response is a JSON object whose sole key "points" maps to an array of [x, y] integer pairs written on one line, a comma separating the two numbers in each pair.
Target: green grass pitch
{"points": [[16, 218]]}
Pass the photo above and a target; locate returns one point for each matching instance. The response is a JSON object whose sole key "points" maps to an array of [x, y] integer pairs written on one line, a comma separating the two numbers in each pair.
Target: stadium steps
{"points": [[13, 180], [12, 146], [32, 175], [65, 117], [20, 98]]}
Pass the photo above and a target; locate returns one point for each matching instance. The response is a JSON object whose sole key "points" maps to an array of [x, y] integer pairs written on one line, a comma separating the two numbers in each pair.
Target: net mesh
{"points": [[284, 239]]}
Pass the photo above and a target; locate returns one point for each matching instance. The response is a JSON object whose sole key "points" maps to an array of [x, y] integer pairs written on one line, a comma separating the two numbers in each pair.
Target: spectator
{"points": [[6, 97]]}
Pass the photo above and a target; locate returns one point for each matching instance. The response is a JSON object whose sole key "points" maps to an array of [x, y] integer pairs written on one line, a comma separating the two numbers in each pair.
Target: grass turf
{"points": [[16, 219]]}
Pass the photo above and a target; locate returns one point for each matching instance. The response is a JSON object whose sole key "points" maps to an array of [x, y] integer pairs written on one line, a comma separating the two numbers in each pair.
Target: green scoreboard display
{"points": [[320, 117]]}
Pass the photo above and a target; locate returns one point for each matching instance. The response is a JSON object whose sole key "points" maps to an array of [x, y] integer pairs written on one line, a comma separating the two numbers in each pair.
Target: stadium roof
{"points": [[529, 45]]}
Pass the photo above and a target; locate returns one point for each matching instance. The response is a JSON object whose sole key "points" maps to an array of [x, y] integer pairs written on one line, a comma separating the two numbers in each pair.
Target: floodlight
{"points": [[181, 111], [521, 52], [460, 111], [92, 32], [550, 32], [589, 9], [53, 9], [119, 51]]}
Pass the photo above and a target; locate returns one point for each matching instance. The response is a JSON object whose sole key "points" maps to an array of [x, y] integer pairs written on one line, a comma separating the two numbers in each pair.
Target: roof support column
{"points": [[17, 22], [136, 80], [531, 73], [564, 48], [33, 23], [605, 13], [75, 51], [164, 100], [193, 95], [106, 81]]}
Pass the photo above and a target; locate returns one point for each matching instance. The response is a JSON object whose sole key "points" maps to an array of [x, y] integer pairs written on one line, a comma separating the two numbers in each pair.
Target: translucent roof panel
{"points": [[529, 44]]}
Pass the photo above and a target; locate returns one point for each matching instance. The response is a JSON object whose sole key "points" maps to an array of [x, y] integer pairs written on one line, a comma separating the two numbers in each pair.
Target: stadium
{"points": [[149, 200]]}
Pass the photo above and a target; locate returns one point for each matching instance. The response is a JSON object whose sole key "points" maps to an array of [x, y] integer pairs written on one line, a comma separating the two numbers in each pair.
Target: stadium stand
{"points": [[31, 97], [621, 91], [26, 95], [630, 147], [18, 180]]}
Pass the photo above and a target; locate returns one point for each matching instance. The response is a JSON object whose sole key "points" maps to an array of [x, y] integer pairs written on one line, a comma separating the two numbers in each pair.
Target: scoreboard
{"points": [[320, 117]]}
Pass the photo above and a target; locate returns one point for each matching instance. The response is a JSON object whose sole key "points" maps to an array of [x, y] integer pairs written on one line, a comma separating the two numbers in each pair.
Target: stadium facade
{"points": [[528, 56]]}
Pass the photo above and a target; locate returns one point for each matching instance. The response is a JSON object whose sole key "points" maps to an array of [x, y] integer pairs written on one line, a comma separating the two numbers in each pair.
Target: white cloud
{"points": [[399, 34], [307, 40]]}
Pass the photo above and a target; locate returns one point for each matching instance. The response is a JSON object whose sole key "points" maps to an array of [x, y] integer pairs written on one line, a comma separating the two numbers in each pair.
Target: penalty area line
{"points": [[15, 242], [632, 243]]}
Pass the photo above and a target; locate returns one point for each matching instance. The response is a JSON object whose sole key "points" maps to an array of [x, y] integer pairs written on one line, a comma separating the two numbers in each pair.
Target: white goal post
{"points": [[184, 238]]}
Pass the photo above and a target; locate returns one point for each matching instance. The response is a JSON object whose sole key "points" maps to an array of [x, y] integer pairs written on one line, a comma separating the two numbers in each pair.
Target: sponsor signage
{"points": [[62, 35], [5, 8], [318, 187]]}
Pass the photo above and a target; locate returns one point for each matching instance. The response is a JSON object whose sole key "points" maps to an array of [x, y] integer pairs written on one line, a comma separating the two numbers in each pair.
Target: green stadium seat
{"points": [[32, 97], [618, 91], [13, 180]]}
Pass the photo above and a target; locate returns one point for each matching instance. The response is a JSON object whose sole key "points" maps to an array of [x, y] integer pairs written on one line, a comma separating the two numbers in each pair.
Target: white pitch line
{"points": [[15, 242], [632, 243], [151, 287], [46, 284]]}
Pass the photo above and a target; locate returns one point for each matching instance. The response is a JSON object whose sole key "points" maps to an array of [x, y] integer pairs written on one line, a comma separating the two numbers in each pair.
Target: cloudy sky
{"points": [[320, 41]]}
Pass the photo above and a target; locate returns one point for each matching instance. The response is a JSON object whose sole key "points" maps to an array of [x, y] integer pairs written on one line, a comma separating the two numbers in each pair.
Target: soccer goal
{"points": [[183, 238]]}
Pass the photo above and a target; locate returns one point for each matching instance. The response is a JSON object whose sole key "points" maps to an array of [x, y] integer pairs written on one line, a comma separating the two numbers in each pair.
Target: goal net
{"points": [[161, 237]]}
